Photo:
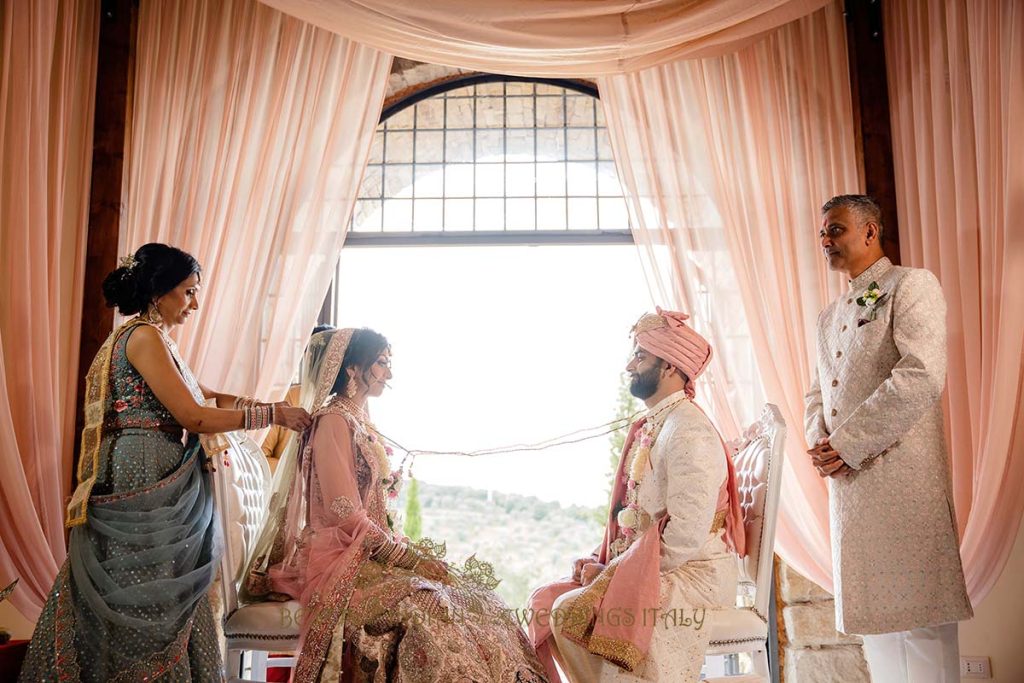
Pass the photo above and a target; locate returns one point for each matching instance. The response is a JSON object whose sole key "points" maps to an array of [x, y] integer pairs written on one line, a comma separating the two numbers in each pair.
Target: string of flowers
{"points": [[631, 518], [554, 442]]}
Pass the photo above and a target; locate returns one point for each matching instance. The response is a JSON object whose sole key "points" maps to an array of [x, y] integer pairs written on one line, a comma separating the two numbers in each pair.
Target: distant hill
{"points": [[529, 541]]}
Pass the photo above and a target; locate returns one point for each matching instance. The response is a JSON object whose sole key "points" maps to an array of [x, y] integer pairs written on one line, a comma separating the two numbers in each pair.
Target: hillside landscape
{"points": [[529, 541]]}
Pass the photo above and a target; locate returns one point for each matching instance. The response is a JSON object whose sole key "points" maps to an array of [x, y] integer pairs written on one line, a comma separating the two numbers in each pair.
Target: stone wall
{"points": [[813, 650], [408, 76]]}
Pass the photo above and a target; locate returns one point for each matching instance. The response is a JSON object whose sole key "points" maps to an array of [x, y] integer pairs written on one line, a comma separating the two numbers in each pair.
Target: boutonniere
{"points": [[872, 299]]}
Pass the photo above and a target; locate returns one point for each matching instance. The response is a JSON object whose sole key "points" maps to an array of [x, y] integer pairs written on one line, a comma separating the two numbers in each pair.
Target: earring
{"points": [[152, 315], [350, 387]]}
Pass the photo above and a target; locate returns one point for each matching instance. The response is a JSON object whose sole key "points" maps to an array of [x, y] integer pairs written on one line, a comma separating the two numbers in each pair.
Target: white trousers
{"points": [[688, 593], [676, 653], [921, 655]]}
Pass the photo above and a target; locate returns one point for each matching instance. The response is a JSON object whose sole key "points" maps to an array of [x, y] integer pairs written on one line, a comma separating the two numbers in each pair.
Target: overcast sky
{"points": [[500, 345]]}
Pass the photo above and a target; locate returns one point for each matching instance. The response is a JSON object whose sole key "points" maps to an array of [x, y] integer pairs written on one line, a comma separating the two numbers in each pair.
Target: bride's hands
{"points": [[435, 570], [289, 417]]}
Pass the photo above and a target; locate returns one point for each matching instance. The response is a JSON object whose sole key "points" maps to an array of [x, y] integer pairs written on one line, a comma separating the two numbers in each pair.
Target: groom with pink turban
{"points": [[635, 609]]}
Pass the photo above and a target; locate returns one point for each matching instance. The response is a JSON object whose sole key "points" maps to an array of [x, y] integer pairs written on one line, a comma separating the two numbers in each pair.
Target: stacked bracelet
{"points": [[409, 558], [258, 416], [391, 553], [243, 402], [395, 554]]}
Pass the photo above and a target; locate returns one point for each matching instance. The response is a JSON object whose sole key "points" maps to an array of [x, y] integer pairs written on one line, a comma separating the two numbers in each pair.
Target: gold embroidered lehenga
{"points": [[371, 611]]}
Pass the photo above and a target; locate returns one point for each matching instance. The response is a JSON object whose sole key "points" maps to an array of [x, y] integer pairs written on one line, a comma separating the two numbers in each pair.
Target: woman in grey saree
{"points": [[130, 601], [375, 606]]}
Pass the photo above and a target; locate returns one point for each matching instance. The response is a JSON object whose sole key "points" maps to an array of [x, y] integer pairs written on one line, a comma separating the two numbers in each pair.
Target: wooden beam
{"points": [[870, 89], [118, 28]]}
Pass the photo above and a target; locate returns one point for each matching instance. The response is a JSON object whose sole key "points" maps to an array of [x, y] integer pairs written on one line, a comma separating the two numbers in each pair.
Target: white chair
{"points": [[758, 462], [241, 489]]}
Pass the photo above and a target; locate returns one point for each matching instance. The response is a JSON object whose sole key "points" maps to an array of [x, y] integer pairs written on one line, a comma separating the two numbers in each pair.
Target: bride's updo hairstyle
{"points": [[151, 272], [362, 352]]}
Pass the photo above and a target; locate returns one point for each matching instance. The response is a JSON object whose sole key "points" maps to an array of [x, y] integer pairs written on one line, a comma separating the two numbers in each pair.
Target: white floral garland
{"points": [[631, 518]]}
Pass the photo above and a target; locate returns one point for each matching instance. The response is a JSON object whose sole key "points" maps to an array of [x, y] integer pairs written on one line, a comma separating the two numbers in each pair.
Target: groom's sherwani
{"points": [[698, 572], [876, 396]]}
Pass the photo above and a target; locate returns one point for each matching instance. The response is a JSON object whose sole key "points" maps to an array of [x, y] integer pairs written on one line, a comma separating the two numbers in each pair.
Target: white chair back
{"points": [[241, 490], [758, 464]]}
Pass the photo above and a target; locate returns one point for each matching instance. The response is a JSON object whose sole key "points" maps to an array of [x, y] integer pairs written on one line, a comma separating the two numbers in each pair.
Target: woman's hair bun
{"points": [[120, 289], [152, 271]]}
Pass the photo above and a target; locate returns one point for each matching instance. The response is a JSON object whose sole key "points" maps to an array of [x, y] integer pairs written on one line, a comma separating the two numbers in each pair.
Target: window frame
{"points": [[506, 237]]}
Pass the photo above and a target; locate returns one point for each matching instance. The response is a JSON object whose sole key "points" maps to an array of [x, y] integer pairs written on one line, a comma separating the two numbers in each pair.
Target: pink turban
{"points": [[666, 336]]}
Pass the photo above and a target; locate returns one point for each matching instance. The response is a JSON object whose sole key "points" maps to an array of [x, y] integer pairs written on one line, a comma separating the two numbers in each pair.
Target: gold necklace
{"points": [[353, 408]]}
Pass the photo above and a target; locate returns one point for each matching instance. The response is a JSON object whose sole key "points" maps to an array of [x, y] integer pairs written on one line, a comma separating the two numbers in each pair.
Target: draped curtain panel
{"points": [[562, 38], [735, 155], [250, 134], [676, 227], [730, 122], [47, 89], [956, 88]]}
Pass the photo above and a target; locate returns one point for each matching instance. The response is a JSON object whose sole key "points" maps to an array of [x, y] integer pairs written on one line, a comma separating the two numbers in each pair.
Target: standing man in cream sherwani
{"points": [[635, 609], [875, 420]]}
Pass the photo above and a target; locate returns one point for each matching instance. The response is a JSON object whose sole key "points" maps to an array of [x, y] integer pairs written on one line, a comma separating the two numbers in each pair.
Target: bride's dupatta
{"points": [[286, 514], [325, 564], [288, 560]]}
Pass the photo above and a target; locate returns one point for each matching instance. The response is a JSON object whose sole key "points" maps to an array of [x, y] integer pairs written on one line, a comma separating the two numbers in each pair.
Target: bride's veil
{"points": [[286, 512]]}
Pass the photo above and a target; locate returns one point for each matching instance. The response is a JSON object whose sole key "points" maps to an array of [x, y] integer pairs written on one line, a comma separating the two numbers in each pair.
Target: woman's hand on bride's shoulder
{"points": [[290, 417]]}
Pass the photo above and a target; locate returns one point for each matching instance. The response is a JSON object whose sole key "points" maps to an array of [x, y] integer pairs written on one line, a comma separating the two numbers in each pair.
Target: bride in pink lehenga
{"points": [[375, 606]]}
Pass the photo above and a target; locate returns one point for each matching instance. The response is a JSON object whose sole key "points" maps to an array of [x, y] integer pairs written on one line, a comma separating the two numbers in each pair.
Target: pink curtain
{"points": [[574, 38], [956, 81], [47, 83], [678, 232], [727, 161], [250, 134]]}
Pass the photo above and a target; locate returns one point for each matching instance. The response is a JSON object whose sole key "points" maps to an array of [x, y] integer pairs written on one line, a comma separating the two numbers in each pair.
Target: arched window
{"points": [[491, 160]]}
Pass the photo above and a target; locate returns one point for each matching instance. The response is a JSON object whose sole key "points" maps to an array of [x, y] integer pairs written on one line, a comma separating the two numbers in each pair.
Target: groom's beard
{"points": [[645, 384]]}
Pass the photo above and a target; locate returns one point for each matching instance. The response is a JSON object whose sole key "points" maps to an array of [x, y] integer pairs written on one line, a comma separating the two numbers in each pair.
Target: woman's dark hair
{"points": [[156, 269], [362, 352]]}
